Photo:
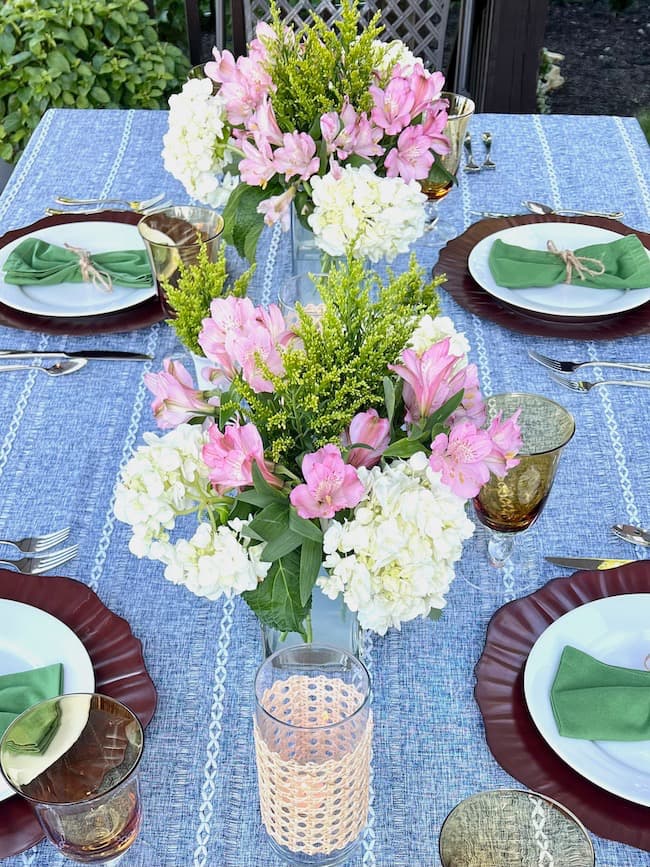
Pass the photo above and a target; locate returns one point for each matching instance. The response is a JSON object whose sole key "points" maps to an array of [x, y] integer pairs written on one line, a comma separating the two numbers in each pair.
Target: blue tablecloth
{"points": [[63, 443]]}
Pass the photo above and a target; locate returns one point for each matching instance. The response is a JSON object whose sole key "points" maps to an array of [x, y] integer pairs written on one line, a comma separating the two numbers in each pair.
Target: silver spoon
{"points": [[539, 208], [61, 368], [635, 535], [470, 164]]}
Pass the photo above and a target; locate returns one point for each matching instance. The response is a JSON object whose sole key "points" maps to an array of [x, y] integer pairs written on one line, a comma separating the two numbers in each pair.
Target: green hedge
{"points": [[79, 54]]}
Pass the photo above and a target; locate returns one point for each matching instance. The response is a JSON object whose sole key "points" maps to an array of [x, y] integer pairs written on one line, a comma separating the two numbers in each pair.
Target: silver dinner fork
{"points": [[55, 212], [572, 366], [583, 385], [470, 164], [37, 565], [134, 204], [36, 544]]}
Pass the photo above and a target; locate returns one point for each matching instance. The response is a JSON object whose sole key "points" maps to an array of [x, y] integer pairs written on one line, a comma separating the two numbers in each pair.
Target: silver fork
{"points": [[488, 162], [583, 385], [36, 544], [37, 565], [55, 212], [470, 164], [572, 366], [134, 204]]}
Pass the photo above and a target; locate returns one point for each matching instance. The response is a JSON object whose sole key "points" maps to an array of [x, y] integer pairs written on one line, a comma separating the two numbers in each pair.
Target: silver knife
{"points": [[106, 355], [588, 562]]}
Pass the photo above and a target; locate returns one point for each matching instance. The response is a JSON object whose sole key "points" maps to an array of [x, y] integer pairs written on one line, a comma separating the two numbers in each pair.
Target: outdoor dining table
{"points": [[64, 442]]}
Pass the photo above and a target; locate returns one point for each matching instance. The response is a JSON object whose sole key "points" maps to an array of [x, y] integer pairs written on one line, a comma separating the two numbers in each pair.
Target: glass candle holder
{"points": [[75, 759], [313, 742]]}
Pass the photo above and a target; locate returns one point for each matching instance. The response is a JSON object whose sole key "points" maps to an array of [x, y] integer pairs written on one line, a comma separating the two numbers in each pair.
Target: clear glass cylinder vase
{"points": [[332, 623], [306, 255]]}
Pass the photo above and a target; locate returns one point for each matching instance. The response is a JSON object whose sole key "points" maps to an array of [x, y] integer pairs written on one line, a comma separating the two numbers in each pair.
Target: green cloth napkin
{"points": [[626, 261], [22, 690], [600, 702], [35, 262]]}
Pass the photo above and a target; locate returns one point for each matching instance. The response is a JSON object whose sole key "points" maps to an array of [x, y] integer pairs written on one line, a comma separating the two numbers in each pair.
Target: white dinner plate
{"points": [[31, 638], [564, 299], [615, 630], [76, 299]]}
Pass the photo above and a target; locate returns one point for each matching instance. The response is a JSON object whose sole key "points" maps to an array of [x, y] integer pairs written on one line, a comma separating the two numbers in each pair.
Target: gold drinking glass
{"points": [[75, 759], [511, 505], [461, 108], [513, 828]]}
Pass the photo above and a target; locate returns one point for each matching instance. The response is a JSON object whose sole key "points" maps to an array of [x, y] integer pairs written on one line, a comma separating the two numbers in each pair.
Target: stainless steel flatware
{"points": [[133, 204], [630, 533], [59, 368], [540, 208], [87, 354], [56, 212], [572, 366], [470, 164], [37, 565], [583, 385], [599, 563], [486, 138], [491, 214], [36, 544]]}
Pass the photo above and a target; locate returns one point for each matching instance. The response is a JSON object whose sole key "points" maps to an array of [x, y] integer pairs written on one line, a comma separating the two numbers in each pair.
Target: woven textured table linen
{"points": [[63, 443]]}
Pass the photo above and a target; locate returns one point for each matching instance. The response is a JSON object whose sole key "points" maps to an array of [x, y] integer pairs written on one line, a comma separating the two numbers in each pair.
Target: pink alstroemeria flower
{"points": [[278, 208], [244, 82], [461, 458], [331, 485], [393, 106], [425, 87], [371, 430], [227, 316], [435, 121], [296, 156], [506, 442], [472, 407], [258, 166], [429, 380], [412, 158], [176, 400], [230, 456], [263, 124]]}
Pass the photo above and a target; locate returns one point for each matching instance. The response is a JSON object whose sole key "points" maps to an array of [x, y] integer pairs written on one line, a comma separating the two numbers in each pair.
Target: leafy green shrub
{"points": [[79, 54], [170, 18]]}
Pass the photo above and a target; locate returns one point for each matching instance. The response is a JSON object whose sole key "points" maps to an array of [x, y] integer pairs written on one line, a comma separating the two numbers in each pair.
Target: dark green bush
{"points": [[79, 54]]}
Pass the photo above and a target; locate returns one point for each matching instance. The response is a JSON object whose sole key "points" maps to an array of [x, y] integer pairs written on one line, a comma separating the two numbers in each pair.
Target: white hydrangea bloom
{"points": [[159, 483], [197, 124], [393, 560], [213, 562], [430, 330], [392, 53], [381, 217]]}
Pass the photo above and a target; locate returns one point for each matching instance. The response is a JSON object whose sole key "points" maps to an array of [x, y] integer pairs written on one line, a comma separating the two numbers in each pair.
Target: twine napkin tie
{"points": [[577, 263], [89, 272]]}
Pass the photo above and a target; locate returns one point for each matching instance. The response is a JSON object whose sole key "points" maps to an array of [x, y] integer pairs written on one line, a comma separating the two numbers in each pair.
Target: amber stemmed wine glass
{"points": [[461, 108], [511, 505]]}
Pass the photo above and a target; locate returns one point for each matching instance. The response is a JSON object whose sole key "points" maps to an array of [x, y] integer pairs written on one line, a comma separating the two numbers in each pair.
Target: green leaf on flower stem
{"points": [[242, 223], [438, 174], [443, 413], [389, 397], [311, 558], [282, 545], [403, 448], [271, 522], [263, 487], [276, 600], [254, 498], [306, 529], [434, 614]]}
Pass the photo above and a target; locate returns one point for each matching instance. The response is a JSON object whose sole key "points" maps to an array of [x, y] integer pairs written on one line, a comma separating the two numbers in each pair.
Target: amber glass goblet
{"points": [[461, 108], [511, 505]]}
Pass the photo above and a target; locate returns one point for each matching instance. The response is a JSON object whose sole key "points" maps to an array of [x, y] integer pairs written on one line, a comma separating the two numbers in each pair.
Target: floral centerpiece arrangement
{"points": [[335, 121], [350, 441]]}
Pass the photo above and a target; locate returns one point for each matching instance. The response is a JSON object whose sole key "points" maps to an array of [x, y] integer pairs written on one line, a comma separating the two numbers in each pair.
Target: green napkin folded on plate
{"points": [[22, 690], [35, 262], [626, 262], [599, 702]]}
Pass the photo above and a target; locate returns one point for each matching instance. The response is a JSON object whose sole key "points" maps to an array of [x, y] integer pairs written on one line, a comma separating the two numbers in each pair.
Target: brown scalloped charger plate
{"points": [[140, 316], [116, 655], [465, 290], [511, 734]]}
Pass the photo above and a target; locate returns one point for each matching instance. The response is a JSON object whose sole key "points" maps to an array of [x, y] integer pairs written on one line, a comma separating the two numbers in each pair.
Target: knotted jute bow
{"points": [[579, 264], [90, 273]]}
